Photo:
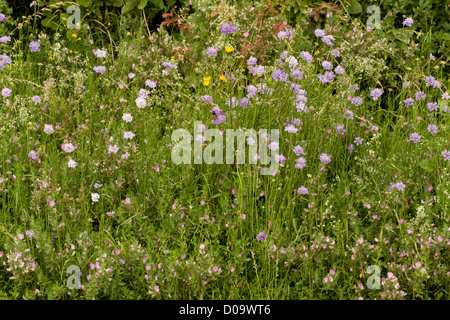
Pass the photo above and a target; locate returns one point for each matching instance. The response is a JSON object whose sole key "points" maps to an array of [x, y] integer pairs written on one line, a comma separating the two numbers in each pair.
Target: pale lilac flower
{"points": [[415, 137], [335, 53], [432, 128], [297, 74], [328, 40], [298, 150], [432, 106], [6, 92], [446, 155], [274, 145], [48, 129], [33, 155], [290, 128], [128, 135], [113, 149], [20, 236], [131, 75], [400, 185], [96, 185], [357, 101], [72, 164], [302, 190], [127, 117], [30, 233], [358, 141], [5, 39], [445, 96], [300, 163], [429, 81], [100, 53], [325, 158], [282, 35], [211, 51], [252, 90], [261, 236], [339, 70], [340, 128], [408, 22], [376, 93], [3, 18], [327, 65], [141, 102], [34, 46], [227, 28], [251, 61], [408, 102], [307, 56], [351, 147], [280, 158], [348, 115], [68, 147], [258, 71], [100, 69], [151, 84], [36, 99], [250, 141], [420, 95], [292, 62], [319, 33], [95, 197]]}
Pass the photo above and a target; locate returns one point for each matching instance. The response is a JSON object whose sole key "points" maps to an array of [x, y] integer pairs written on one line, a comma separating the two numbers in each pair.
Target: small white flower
{"points": [[72, 164], [127, 117], [141, 102], [95, 197]]}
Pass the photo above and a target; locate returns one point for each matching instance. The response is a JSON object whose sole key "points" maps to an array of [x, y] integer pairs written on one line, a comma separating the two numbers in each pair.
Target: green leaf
{"points": [[158, 3], [427, 165], [354, 7], [84, 3], [129, 6], [142, 4]]}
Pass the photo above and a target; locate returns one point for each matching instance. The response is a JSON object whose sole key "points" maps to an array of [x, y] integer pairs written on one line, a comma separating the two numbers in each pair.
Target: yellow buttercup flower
{"points": [[50, 58], [74, 35], [70, 51], [228, 49], [222, 78]]}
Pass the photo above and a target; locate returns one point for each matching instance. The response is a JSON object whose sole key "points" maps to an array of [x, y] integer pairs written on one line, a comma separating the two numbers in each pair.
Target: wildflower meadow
{"points": [[224, 150]]}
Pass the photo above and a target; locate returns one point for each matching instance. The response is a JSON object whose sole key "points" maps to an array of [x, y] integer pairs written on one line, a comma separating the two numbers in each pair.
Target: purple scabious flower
{"points": [[280, 158], [261, 236], [251, 61], [319, 33], [298, 150], [432, 106], [211, 51], [376, 93], [357, 101], [290, 128], [258, 71], [34, 46], [233, 102], [415, 137], [340, 128], [400, 185], [3, 18], [301, 98], [33, 155], [328, 40], [151, 84], [339, 70], [245, 102], [327, 65], [100, 69], [325, 158], [297, 74], [264, 89], [408, 22], [279, 75], [273, 146], [302, 190], [283, 55], [282, 35], [5, 59], [446, 155], [432, 128], [36, 99], [335, 53], [358, 141], [429, 81], [6, 92], [5, 39], [252, 90], [307, 56], [227, 28], [408, 102], [351, 147], [420, 95], [300, 163], [348, 115], [295, 87], [207, 98]]}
